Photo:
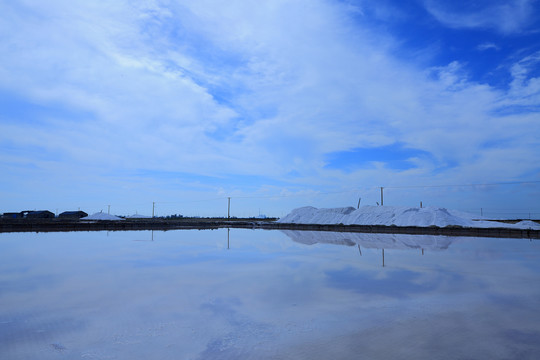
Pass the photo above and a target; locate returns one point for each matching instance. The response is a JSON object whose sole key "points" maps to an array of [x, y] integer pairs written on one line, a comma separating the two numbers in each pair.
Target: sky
{"points": [[175, 106]]}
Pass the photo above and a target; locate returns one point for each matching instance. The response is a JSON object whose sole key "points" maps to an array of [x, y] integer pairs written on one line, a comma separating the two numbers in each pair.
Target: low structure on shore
{"points": [[40, 214], [29, 214], [12, 215], [74, 215]]}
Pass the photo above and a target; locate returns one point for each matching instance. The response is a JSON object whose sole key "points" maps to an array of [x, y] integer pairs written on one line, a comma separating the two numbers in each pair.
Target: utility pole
{"points": [[382, 196], [153, 207], [358, 206], [109, 209], [229, 208]]}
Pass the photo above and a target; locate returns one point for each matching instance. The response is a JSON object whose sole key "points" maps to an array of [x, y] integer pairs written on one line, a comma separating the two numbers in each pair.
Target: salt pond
{"points": [[244, 294]]}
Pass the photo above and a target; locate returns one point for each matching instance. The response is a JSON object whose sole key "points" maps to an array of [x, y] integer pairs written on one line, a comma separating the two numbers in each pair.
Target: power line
{"points": [[317, 193], [189, 201], [385, 187], [461, 185]]}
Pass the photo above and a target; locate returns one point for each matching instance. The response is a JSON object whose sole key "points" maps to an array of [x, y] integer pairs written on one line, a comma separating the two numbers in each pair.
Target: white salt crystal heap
{"points": [[101, 216], [393, 215]]}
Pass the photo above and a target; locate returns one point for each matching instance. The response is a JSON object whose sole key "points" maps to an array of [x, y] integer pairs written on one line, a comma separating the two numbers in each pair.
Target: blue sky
{"points": [[277, 104]]}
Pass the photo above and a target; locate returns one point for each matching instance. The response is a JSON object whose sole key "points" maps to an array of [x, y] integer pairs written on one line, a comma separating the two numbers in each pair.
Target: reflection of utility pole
{"points": [[382, 257], [152, 235], [228, 232], [382, 196], [422, 252], [359, 250]]}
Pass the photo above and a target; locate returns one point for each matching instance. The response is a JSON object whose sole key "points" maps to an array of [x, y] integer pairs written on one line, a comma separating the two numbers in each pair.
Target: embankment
{"points": [[55, 225]]}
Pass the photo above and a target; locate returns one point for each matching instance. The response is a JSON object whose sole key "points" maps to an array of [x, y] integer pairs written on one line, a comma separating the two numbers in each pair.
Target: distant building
{"points": [[73, 215], [40, 214], [12, 215]]}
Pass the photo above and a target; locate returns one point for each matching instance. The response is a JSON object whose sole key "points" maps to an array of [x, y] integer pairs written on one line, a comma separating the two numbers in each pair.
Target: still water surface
{"points": [[254, 294]]}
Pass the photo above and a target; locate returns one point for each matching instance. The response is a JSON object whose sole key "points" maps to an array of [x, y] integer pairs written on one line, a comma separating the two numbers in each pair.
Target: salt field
{"points": [[254, 294]]}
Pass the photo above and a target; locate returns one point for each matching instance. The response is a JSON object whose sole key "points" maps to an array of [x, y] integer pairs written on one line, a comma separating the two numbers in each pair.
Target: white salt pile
{"points": [[139, 216], [528, 224], [393, 215], [101, 216]]}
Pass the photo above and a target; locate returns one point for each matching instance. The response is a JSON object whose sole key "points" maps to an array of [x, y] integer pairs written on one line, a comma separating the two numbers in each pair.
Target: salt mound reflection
{"points": [[373, 241]]}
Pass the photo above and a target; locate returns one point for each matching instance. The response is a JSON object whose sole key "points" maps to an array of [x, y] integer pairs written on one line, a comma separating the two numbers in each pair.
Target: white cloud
{"points": [[525, 88], [487, 46], [504, 16]]}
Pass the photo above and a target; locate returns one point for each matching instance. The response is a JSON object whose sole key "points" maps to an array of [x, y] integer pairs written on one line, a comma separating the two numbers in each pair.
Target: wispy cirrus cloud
{"points": [[503, 16], [487, 46]]}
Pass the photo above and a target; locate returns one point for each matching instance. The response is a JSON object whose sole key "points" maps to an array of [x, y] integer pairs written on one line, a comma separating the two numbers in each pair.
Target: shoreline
{"points": [[55, 225]]}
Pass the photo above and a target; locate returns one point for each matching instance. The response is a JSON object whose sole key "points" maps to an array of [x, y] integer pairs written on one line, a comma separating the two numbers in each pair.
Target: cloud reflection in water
{"points": [[191, 294]]}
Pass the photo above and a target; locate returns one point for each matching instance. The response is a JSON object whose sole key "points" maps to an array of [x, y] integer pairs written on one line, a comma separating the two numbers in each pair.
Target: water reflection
{"points": [[396, 284], [149, 238], [188, 294], [373, 241]]}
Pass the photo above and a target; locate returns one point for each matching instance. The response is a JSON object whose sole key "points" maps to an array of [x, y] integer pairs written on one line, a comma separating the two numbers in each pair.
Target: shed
{"points": [[40, 214], [72, 215], [12, 215]]}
